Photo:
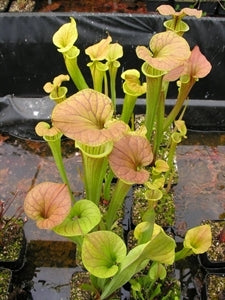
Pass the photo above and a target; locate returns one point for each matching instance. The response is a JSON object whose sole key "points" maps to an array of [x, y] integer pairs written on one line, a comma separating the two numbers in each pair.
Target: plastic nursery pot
{"points": [[81, 277], [13, 247], [214, 259], [5, 282], [214, 287], [170, 287], [165, 209]]}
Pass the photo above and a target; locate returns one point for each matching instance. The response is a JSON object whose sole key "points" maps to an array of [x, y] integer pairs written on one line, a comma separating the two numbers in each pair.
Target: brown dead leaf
{"points": [[51, 7], [3, 138]]}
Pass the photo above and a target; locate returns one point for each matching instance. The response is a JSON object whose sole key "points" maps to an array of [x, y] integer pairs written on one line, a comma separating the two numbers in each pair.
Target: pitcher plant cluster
{"points": [[115, 154]]}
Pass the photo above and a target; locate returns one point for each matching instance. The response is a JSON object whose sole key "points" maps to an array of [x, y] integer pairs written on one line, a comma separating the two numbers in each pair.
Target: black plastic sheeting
{"points": [[28, 59], [19, 116]]}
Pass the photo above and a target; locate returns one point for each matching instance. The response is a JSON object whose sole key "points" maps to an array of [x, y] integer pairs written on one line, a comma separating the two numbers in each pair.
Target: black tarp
{"points": [[28, 59]]}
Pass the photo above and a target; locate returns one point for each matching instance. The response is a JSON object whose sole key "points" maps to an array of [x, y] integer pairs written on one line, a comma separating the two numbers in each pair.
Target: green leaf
{"points": [[132, 85], [102, 252], [161, 248], [168, 51], [131, 265], [161, 166], [157, 271], [66, 36], [128, 158], [198, 239], [99, 50], [87, 117], [48, 203], [115, 52], [99, 151], [153, 195], [135, 285], [143, 232], [83, 217]]}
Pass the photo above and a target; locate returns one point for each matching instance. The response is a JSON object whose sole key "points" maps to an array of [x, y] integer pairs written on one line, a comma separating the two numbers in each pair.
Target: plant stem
{"points": [[171, 155], [182, 96], [98, 70], [159, 124], [113, 68], [94, 171], [75, 72], [107, 184], [55, 146], [175, 139], [128, 108], [95, 163], [119, 193], [154, 85], [183, 253]]}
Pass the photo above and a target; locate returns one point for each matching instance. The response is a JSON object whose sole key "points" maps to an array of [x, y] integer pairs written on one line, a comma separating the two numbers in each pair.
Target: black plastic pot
{"points": [[80, 277], [214, 266], [5, 282], [214, 287], [18, 262]]}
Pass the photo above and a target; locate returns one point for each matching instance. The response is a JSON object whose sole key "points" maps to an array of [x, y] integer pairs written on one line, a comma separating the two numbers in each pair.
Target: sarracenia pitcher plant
{"points": [[116, 154]]}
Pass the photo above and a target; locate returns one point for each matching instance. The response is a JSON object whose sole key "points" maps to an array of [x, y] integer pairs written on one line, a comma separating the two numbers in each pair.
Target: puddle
{"points": [[45, 284], [47, 271], [200, 192], [52, 283], [24, 163]]}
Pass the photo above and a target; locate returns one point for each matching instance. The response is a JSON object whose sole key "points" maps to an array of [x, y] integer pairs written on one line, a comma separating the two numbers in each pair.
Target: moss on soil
{"points": [[215, 287], [11, 240], [5, 278], [216, 253]]}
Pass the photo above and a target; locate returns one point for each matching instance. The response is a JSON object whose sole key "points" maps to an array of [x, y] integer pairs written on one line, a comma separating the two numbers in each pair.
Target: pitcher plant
{"points": [[117, 155]]}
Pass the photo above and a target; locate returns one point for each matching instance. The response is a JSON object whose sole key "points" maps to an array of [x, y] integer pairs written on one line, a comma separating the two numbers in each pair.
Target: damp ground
{"points": [[199, 195]]}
